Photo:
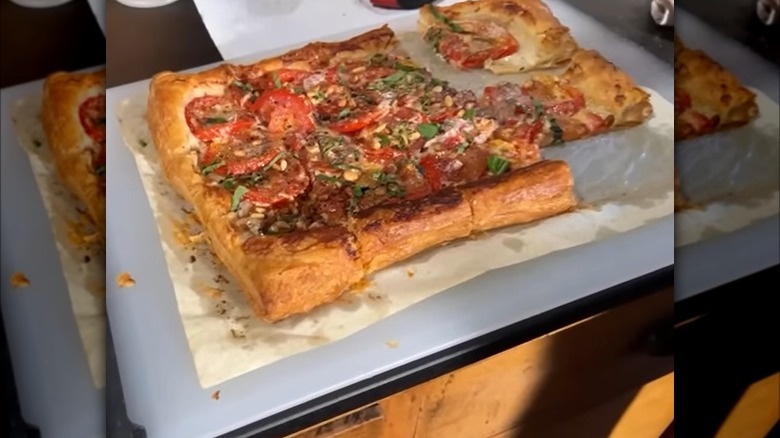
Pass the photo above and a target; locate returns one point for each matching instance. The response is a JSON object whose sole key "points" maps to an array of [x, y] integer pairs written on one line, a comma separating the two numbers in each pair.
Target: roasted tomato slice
{"points": [[280, 186], [558, 99], [92, 114], [211, 117], [245, 165], [353, 123], [280, 78], [432, 171], [480, 41], [284, 111]]}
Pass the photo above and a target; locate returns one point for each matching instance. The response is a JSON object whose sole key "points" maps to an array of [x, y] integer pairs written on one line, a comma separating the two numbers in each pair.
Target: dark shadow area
{"points": [[14, 426], [720, 354], [37, 42], [595, 370]]}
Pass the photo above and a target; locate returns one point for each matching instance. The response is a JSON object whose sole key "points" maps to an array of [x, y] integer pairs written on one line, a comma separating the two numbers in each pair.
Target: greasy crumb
{"points": [[87, 258], [374, 296], [410, 272], [193, 259], [238, 334], [19, 280], [214, 293], [125, 280], [215, 395], [361, 285], [221, 279], [392, 344]]}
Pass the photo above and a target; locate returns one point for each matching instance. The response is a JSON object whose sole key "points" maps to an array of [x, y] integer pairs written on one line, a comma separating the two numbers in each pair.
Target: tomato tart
{"points": [[313, 169], [74, 119]]}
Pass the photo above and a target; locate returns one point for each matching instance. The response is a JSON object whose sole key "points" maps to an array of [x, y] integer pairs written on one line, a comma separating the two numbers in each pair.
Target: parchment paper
{"points": [[731, 177], [624, 180], [81, 255]]}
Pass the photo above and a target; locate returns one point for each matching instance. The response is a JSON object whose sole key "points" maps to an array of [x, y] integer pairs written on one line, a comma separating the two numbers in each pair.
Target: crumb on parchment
{"points": [[19, 280], [410, 272], [215, 395], [125, 280], [392, 343]]}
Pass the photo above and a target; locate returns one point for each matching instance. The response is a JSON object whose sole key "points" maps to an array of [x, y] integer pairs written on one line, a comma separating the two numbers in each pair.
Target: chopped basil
{"points": [[428, 130], [142, 143], [434, 36], [101, 170], [213, 120], [441, 17], [384, 139], [205, 170], [242, 86], [228, 183], [330, 179], [538, 109], [497, 165], [37, 143], [275, 77], [238, 193], [344, 113], [357, 193], [389, 182], [556, 130], [469, 114], [462, 147], [319, 95], [378, 59], [299, 90], [327, 143], [405, 67], [394, 77]]}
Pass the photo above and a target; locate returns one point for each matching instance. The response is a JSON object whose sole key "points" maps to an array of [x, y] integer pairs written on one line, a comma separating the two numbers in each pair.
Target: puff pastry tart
{"points": [[503, 36], [311, 170], [707, 97], [74, 120]]}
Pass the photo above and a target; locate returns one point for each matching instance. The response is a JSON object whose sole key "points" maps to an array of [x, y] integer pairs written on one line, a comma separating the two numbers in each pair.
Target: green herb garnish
{"points": [[344, 113], [469, 114], [275, 77], [428, 130], [441, 17], [242, 86], [462, 147], [330, 179], [538, 109], [384, 139], [273, 161], [214, 120], [205, 170], [556, 130], [389, 182], [238, 193], [497, 165]]}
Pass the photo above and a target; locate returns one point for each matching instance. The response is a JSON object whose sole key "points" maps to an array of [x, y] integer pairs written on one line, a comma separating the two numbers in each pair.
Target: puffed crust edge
{"points": [[63, 93]]}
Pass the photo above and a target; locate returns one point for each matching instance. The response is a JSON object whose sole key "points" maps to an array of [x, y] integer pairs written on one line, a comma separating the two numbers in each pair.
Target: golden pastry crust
{"points": [[543, 41], [607, 89], [293, 273], [714, 99], [71, 148]]}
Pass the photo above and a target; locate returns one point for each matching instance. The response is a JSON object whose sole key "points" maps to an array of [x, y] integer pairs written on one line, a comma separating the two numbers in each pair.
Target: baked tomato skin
{"points": [[280, 186], [92, 114], [478, 43], [284, 111], [207, 124]]}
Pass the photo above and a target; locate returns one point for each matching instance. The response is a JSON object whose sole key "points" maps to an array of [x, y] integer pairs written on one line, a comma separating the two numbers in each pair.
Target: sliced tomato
{"points": [[354, 123], [558, 99], [92, 114], [211, 117], [479, 42], [245, 165], [281, 77], [284, 111], [280, 187], [381, 156], [432, 172], [443, 113]]}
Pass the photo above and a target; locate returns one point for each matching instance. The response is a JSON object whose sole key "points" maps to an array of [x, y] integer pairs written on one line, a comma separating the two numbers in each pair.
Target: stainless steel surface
{"points": [[767, 11], [662, 12]]}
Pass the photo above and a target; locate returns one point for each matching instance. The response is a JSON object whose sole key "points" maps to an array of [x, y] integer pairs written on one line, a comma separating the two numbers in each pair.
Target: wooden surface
{"points": [[592, 379]]}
